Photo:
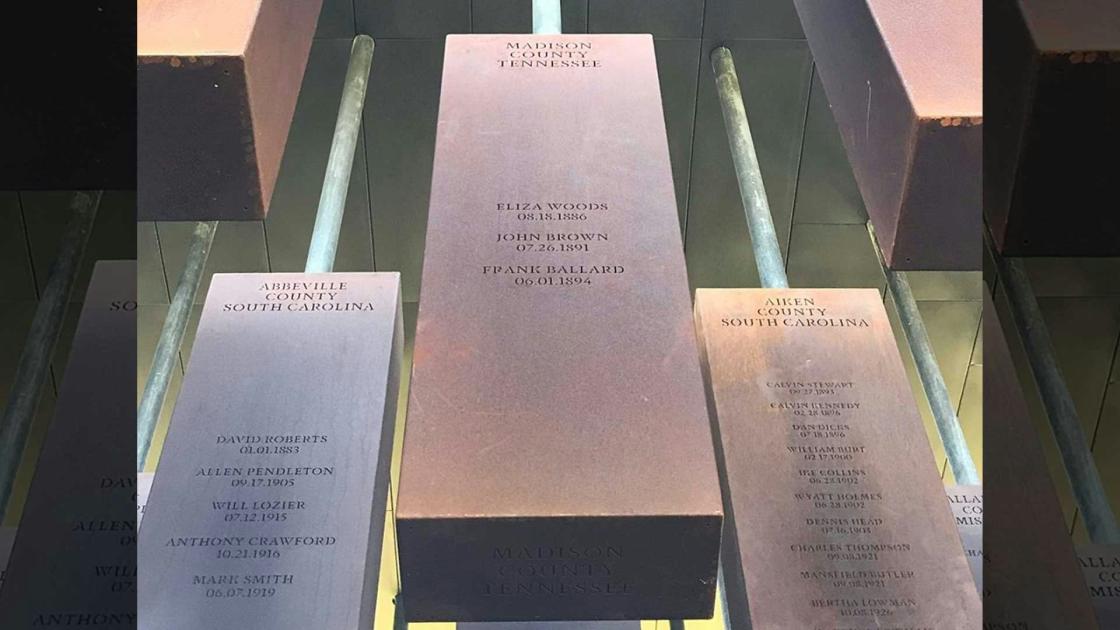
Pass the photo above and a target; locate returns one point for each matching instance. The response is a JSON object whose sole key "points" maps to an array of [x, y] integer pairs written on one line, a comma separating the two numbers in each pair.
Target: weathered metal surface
{"points": [[836, 513], [1052, 88], [74, 558], [34, 367], [268, 505], [558, 462], [904, 81], [217, 83]]}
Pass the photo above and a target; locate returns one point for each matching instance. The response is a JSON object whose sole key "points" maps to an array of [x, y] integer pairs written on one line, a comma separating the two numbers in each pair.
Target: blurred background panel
{"points": [[68, 109]]}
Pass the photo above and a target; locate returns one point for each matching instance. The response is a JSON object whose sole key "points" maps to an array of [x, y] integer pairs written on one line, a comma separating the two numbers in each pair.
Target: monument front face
{"points": [[267, 508], [558, 461], [837, 515]]}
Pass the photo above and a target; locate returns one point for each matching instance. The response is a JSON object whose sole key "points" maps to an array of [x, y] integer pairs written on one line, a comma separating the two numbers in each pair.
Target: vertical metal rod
{"points": [[764, 239], [170, 338], [1088, 491], [546, 17], [35, 359], [937, 393], [336, 183]]}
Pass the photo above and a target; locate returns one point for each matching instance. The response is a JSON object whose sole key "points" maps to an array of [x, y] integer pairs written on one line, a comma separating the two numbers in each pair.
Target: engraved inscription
{"points": [[1101, 566], [558, 570], [577, 256], [299, 297], [967, 504], [828, 513], [550, 54]]}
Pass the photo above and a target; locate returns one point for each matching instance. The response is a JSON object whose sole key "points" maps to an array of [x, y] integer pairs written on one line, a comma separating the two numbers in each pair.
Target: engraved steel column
{"points": [[1088, 490], [35, 360], [336, 183], [170, 338]]}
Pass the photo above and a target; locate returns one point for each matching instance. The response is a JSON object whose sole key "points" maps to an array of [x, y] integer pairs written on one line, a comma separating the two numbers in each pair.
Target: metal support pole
{"points": [[764, 239], [336, 183], [170, 338], [35, 360], [1088, 491], [546, 17], [944, 411]]}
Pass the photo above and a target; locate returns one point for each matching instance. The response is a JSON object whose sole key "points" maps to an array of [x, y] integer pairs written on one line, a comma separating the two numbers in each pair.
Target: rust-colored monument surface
{"points": [[904, 82], [836, 513], [558, 462], [216, 87], [268, 505]]}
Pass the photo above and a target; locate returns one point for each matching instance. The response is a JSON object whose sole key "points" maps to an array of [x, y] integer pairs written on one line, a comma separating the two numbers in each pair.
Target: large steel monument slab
{"points": [[558, 462], [837, 517]]}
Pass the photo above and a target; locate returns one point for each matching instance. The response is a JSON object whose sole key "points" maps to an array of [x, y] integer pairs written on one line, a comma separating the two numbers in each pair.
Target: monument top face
{"points": [[198, 27]]}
